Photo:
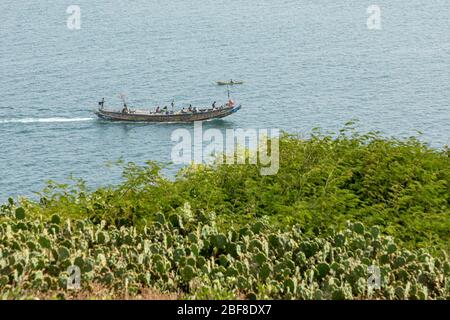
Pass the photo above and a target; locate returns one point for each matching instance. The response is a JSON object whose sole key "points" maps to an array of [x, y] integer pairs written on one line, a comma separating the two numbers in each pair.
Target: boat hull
{"points": [[224, 83], [159, 117]]}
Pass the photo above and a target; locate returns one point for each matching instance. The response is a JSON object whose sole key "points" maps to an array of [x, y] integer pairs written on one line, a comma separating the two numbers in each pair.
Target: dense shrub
{"points": [[324, 181]]}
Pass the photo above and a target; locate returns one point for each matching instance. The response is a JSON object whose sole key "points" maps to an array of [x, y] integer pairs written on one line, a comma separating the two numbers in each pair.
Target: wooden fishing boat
{"points": [[229, 83], [166, 116]]}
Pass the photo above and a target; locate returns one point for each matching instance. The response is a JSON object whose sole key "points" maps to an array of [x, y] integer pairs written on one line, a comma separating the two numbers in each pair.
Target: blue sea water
{"points": [[305, 64]]}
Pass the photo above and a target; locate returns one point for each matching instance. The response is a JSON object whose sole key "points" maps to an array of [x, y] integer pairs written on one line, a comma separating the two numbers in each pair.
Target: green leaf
{"points": [[20, 213]]}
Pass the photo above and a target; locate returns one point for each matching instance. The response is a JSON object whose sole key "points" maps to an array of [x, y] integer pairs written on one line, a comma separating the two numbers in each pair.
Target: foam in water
{"points": [[44, 120]]}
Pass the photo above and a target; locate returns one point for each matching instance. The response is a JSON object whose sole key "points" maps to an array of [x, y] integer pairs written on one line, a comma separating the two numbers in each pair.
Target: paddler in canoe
{"points": [[231, 82]]}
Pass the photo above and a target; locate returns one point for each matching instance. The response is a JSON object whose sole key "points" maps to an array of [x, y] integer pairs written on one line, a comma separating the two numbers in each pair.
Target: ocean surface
{"points": [[305, 64]]}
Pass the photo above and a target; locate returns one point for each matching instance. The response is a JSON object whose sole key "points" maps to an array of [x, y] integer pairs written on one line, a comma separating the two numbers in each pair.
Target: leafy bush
{"points": [[400, 185], [312, 231]]}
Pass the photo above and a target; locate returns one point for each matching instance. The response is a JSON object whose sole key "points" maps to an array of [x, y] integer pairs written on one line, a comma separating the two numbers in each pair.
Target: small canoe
{"points": [[229, 83], [147, 116]]}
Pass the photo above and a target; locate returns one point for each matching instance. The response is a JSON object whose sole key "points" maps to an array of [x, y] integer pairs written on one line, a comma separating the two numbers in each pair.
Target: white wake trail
{"points": [[44, 120]]}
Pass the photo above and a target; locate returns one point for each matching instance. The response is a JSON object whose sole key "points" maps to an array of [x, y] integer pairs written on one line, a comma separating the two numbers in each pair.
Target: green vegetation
{"points": [[224, 231], [401, 186], [191, 256]]}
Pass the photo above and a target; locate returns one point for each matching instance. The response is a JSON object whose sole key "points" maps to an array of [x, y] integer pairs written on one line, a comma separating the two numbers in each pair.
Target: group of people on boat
{"points": [[192, 109], [159, 110], [189, 110]]}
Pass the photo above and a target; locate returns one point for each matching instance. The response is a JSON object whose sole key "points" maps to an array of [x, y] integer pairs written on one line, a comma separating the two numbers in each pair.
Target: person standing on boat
{"points": [[214, 105], [157, 109], [101, 103], [125, 108], [172, 104]]}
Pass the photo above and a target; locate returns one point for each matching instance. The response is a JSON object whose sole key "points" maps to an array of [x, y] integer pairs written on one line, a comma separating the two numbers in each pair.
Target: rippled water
{"points": [[305, 64]]}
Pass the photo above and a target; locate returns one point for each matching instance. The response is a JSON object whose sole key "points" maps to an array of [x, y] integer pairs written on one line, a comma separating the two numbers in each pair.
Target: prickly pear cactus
{"points": [[179, 254]]}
